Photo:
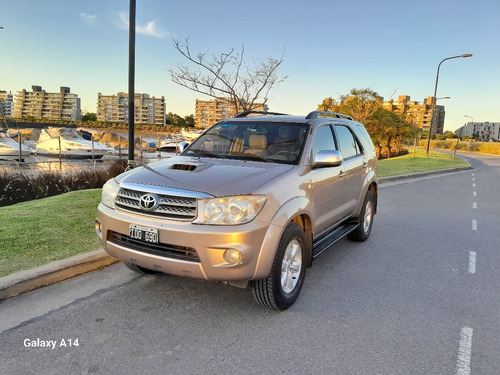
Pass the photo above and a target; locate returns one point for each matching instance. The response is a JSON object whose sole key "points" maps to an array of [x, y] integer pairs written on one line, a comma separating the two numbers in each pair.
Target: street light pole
{"points": [[460, 136], [131, 86], [434, 97]]}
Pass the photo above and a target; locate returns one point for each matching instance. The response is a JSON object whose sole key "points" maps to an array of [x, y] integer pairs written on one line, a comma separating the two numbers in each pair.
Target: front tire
{"points": [[282, 287]]}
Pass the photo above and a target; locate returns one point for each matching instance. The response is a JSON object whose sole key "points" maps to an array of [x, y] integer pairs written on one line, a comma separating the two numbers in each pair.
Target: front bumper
{"points": [[191, 250]]}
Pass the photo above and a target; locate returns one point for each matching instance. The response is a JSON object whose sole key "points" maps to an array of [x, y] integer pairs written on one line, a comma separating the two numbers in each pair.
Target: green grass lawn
{"points": [[44, 230], [420, 163], [38, 232]]}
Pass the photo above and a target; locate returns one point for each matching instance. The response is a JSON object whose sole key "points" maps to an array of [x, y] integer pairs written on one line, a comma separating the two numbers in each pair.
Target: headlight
{"points": [[109, 192], [229, 210]]}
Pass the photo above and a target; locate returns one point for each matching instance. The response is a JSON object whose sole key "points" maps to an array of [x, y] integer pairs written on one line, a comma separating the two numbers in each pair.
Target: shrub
{"points": [[28, 185]]}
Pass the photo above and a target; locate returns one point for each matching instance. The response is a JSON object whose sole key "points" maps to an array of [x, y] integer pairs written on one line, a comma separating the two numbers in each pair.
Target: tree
{"points": [[226, 76], [89, 117], [361, 104]]}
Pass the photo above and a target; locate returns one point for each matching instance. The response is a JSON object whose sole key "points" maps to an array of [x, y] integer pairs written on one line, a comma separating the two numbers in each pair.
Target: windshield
{"points": [[269, 142]]}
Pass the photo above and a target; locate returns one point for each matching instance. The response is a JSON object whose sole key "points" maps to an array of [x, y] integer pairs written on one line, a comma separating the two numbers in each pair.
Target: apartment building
{"points": [[418, 114], [210, 112], [38, 103], [6, 104], [147, 110], [482, 131]]}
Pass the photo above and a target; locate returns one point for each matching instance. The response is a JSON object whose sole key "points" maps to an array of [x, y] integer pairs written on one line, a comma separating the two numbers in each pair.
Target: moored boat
{"points": [[10, 149], [67, 143]]}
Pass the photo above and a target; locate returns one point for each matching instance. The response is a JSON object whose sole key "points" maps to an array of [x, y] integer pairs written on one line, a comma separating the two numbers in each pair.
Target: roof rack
{"points": [[245, 114], [316, 114]]}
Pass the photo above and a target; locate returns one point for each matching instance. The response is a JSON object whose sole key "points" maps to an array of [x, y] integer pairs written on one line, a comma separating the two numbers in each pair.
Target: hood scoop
{"points": [[183, 167]]}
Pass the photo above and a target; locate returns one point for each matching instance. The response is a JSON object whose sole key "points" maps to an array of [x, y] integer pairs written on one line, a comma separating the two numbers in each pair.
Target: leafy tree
{"points": [[89, 116]]}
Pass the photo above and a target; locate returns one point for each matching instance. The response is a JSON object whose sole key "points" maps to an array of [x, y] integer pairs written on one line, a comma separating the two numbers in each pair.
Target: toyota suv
{"points": [[251, 202]]}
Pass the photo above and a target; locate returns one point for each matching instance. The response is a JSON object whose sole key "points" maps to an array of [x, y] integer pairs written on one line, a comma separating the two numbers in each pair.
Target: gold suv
{"points": [[251, 202]]}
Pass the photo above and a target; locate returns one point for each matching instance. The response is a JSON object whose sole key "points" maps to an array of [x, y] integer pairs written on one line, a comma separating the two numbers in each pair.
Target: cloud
{"points": [[89, 19], [150, 29]]}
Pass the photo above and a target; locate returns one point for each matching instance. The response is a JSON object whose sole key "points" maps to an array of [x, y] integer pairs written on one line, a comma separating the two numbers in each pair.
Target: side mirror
{"points": [[182, 146], [327, 158]]}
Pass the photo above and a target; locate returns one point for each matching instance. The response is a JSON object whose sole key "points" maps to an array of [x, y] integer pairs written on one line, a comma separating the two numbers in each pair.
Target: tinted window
{"points": [[349, 146], [323, 140]]}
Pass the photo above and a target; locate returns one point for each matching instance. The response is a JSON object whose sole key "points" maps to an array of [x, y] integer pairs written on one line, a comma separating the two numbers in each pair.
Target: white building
{"points": [[483, 131]]}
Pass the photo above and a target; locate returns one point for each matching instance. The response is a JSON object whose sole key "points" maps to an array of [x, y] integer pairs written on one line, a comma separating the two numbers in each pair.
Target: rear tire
{"points": [[136, 268], [282, 287], [362, 232]]}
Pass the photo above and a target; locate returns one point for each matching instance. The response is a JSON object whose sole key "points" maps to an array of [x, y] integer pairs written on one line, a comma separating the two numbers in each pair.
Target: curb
{"points": [[28, 280], [410, 176]]}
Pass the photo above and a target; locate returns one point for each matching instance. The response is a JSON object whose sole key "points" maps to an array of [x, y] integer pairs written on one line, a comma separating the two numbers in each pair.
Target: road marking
{"points": [[474, 204], [474, 193], [474, 185], [464, 352], [472, 262], [474, 224]]}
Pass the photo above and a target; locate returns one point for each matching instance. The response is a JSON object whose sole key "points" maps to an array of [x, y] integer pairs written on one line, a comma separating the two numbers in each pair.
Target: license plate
{"points": [[143, 233]]}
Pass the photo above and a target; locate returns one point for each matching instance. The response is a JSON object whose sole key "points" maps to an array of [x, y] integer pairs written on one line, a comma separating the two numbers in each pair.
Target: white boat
{"points": [[9, 148], [69, 144]]}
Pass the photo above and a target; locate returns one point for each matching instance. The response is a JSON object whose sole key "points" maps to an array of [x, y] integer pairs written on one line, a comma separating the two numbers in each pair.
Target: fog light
{"points": [[98, 229], [232, 256]]}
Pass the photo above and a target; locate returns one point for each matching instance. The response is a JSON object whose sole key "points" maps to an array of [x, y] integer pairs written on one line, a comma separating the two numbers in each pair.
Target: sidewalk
{"points": [[28, 280]]}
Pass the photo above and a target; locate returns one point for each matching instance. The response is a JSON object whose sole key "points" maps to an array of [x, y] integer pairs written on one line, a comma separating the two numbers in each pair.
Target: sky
{"points": [[329, 47]]}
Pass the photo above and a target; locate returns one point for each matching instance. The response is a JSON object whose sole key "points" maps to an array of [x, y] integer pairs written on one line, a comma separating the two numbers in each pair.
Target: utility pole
{"points": [[131, 86]]}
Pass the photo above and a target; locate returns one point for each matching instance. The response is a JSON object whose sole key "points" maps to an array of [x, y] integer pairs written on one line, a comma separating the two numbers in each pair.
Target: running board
{"points": [[332, 236]]}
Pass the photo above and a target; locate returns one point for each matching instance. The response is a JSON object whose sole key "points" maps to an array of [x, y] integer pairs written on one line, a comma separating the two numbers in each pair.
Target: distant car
{"points": [[251, 202]]}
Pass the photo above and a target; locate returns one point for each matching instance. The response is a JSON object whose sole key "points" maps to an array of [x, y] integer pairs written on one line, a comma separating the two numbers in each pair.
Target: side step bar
{"points": [[329, 238]]}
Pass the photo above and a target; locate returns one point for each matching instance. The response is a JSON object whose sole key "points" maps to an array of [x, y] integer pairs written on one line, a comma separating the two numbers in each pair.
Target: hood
{"points": [[217, 177]]}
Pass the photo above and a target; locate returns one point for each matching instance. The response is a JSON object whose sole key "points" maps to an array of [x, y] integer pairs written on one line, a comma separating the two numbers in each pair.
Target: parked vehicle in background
{"points": [[251, 202]]}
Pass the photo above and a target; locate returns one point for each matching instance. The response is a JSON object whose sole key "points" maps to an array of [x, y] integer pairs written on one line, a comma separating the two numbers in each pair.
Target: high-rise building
{"points": [[209, 112], [38, 103], [6, 104], [147, 110], [418, 114]]}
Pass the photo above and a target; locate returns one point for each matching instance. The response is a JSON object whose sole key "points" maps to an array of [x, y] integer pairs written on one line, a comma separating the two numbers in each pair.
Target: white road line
{"points": [[474, 224], [473, 185], [474, 204], [472, 262], [464, 352], [474, 193]]}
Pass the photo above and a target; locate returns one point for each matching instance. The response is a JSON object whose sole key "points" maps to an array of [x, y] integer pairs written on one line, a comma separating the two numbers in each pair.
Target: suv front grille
{"points": [[168, 206], [161, 249]]}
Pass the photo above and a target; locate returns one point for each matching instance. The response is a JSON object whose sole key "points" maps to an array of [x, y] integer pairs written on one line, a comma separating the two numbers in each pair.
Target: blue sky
{"points": [[329, 47]]}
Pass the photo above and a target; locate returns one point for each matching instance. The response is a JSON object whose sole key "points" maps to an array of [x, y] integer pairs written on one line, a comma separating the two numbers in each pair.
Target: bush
{"points": [[28, 185]]}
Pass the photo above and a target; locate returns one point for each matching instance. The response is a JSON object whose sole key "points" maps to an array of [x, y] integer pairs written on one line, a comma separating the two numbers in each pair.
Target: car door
{"points": [[354, 165], [328, 186]]}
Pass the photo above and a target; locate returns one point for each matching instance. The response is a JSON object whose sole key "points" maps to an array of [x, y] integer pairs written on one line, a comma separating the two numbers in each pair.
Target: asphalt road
{"points": [[420, 296]]}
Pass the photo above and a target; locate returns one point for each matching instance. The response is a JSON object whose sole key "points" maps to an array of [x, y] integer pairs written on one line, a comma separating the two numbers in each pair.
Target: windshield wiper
{"points": [[248, 155], [205, 153]]}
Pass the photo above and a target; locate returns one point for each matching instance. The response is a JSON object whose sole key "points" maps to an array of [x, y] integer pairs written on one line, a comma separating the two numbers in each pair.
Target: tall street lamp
{"points": [[434, 97], [131, 85]]}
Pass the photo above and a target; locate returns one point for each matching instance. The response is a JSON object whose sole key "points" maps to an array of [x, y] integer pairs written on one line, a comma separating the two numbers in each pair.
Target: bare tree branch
{"points": [[226, 76]]}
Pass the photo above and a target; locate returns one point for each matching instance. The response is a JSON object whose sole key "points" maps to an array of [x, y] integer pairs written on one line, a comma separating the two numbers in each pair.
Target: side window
{"points": [[323, 140], [349, 145]]}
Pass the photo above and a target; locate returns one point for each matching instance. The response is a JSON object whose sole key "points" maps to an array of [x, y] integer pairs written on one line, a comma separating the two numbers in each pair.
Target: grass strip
{"points": [[420, 163], [38, 232]]}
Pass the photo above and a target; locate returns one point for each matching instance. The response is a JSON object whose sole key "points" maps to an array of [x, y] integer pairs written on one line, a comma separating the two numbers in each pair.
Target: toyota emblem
{"points": [[148, 202]]}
